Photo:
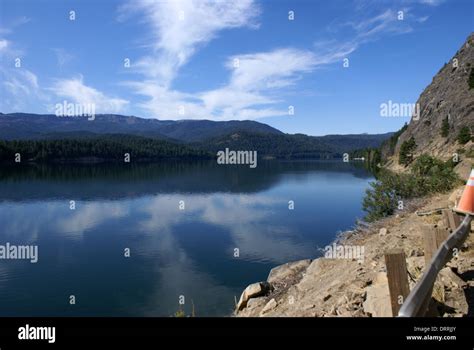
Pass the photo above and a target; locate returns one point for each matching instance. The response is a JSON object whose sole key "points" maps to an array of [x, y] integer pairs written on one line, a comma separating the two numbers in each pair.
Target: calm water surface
{"points": [[173, 252]]}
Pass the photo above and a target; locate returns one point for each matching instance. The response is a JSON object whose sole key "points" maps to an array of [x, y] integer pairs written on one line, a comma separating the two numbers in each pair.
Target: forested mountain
{"points": [[277, 146], [294, 146], [108, 137], [349, 143]]}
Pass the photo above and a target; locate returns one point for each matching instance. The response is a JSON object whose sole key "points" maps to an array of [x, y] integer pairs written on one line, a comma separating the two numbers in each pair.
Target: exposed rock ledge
{"points": [[340, 287]]}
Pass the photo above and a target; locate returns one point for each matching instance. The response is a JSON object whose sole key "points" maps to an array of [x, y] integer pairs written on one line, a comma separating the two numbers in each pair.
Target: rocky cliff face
{"points": [[448, 96]]}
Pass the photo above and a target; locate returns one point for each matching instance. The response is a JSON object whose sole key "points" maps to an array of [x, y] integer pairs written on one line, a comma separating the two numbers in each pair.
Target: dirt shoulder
{"points": [[327, 287]]}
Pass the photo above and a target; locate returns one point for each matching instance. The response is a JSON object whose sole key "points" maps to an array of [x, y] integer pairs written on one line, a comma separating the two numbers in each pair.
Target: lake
{"points": [[136, 239]]}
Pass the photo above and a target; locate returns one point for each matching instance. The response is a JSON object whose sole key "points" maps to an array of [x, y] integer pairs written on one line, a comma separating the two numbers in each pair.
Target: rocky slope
{"points": [[345, 287], [448, 96], [357, 288]]}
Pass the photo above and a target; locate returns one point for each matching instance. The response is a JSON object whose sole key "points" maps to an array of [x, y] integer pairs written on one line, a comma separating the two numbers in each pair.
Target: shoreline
{"points": [[331, 287]]}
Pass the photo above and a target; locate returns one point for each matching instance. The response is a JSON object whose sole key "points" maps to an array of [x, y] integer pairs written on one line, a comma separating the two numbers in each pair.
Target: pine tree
{"points": [[406, 150], [445, 127], [471, 79], [464, 135]]}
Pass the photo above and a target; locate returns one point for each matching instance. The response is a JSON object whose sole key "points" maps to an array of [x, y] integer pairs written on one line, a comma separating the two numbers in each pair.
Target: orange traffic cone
{"points": [[466, 204]]}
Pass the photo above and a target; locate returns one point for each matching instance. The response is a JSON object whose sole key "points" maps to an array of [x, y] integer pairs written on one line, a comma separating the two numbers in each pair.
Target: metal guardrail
{"points": [[418, 300]]}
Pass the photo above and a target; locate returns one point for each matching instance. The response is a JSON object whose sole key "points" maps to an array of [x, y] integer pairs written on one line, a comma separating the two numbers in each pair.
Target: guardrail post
{"points": [[397, 278], [433, 237], [451, 219], [418, 301]]}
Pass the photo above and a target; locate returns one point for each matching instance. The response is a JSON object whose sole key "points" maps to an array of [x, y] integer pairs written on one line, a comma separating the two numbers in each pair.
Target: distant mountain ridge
{"points": [[202, 135], [294, 146], [36, 126]]}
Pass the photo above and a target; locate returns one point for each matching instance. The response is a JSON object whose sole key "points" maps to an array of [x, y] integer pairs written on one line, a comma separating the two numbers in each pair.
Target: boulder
{"points": [[252, 291], [320, 274], [322, 265], [288, 270], [269, 306], [377, 301], [456, 299], [450, 279]]}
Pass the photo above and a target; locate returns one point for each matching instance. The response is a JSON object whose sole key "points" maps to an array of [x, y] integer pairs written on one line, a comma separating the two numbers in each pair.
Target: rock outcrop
{"points": [[448, 96], [252, 291]]}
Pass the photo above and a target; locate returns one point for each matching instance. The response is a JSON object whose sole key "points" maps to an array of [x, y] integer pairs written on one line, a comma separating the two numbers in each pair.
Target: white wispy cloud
{"points": [[364, 5], [268, 70], [422, 19], [432, 2], [19, 84], [257, 82], [3, 45], [180, 27], [384, 23], [24, 82], [7, 26], [251, 85], [9, 51], [19, 89], [76, 91], [367, 29]]}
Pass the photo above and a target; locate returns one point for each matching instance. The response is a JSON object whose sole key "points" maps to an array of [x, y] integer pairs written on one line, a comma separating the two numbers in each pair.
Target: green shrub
{"points": [[372, 157], [464, 135], [433, 174], [428, 175], [391, 143], [379, 201], [445, 127], [471, 79], [406, 150], [179, 313]]}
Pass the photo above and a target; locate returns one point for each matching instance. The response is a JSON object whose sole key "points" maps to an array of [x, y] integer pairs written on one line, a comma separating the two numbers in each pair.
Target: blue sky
{"points": [[223, 60]]}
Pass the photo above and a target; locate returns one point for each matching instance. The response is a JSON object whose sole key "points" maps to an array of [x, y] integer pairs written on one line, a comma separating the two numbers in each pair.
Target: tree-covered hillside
{"points": [[277, 146], [107, 147], [297, 146]]}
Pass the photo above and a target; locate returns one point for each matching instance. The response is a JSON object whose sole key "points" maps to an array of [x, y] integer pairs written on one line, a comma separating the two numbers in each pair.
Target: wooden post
{"points": [[441, 235], [444, 213], [451, 219], [457, 221], [429, 243], [397, 278], [433, 237]]}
